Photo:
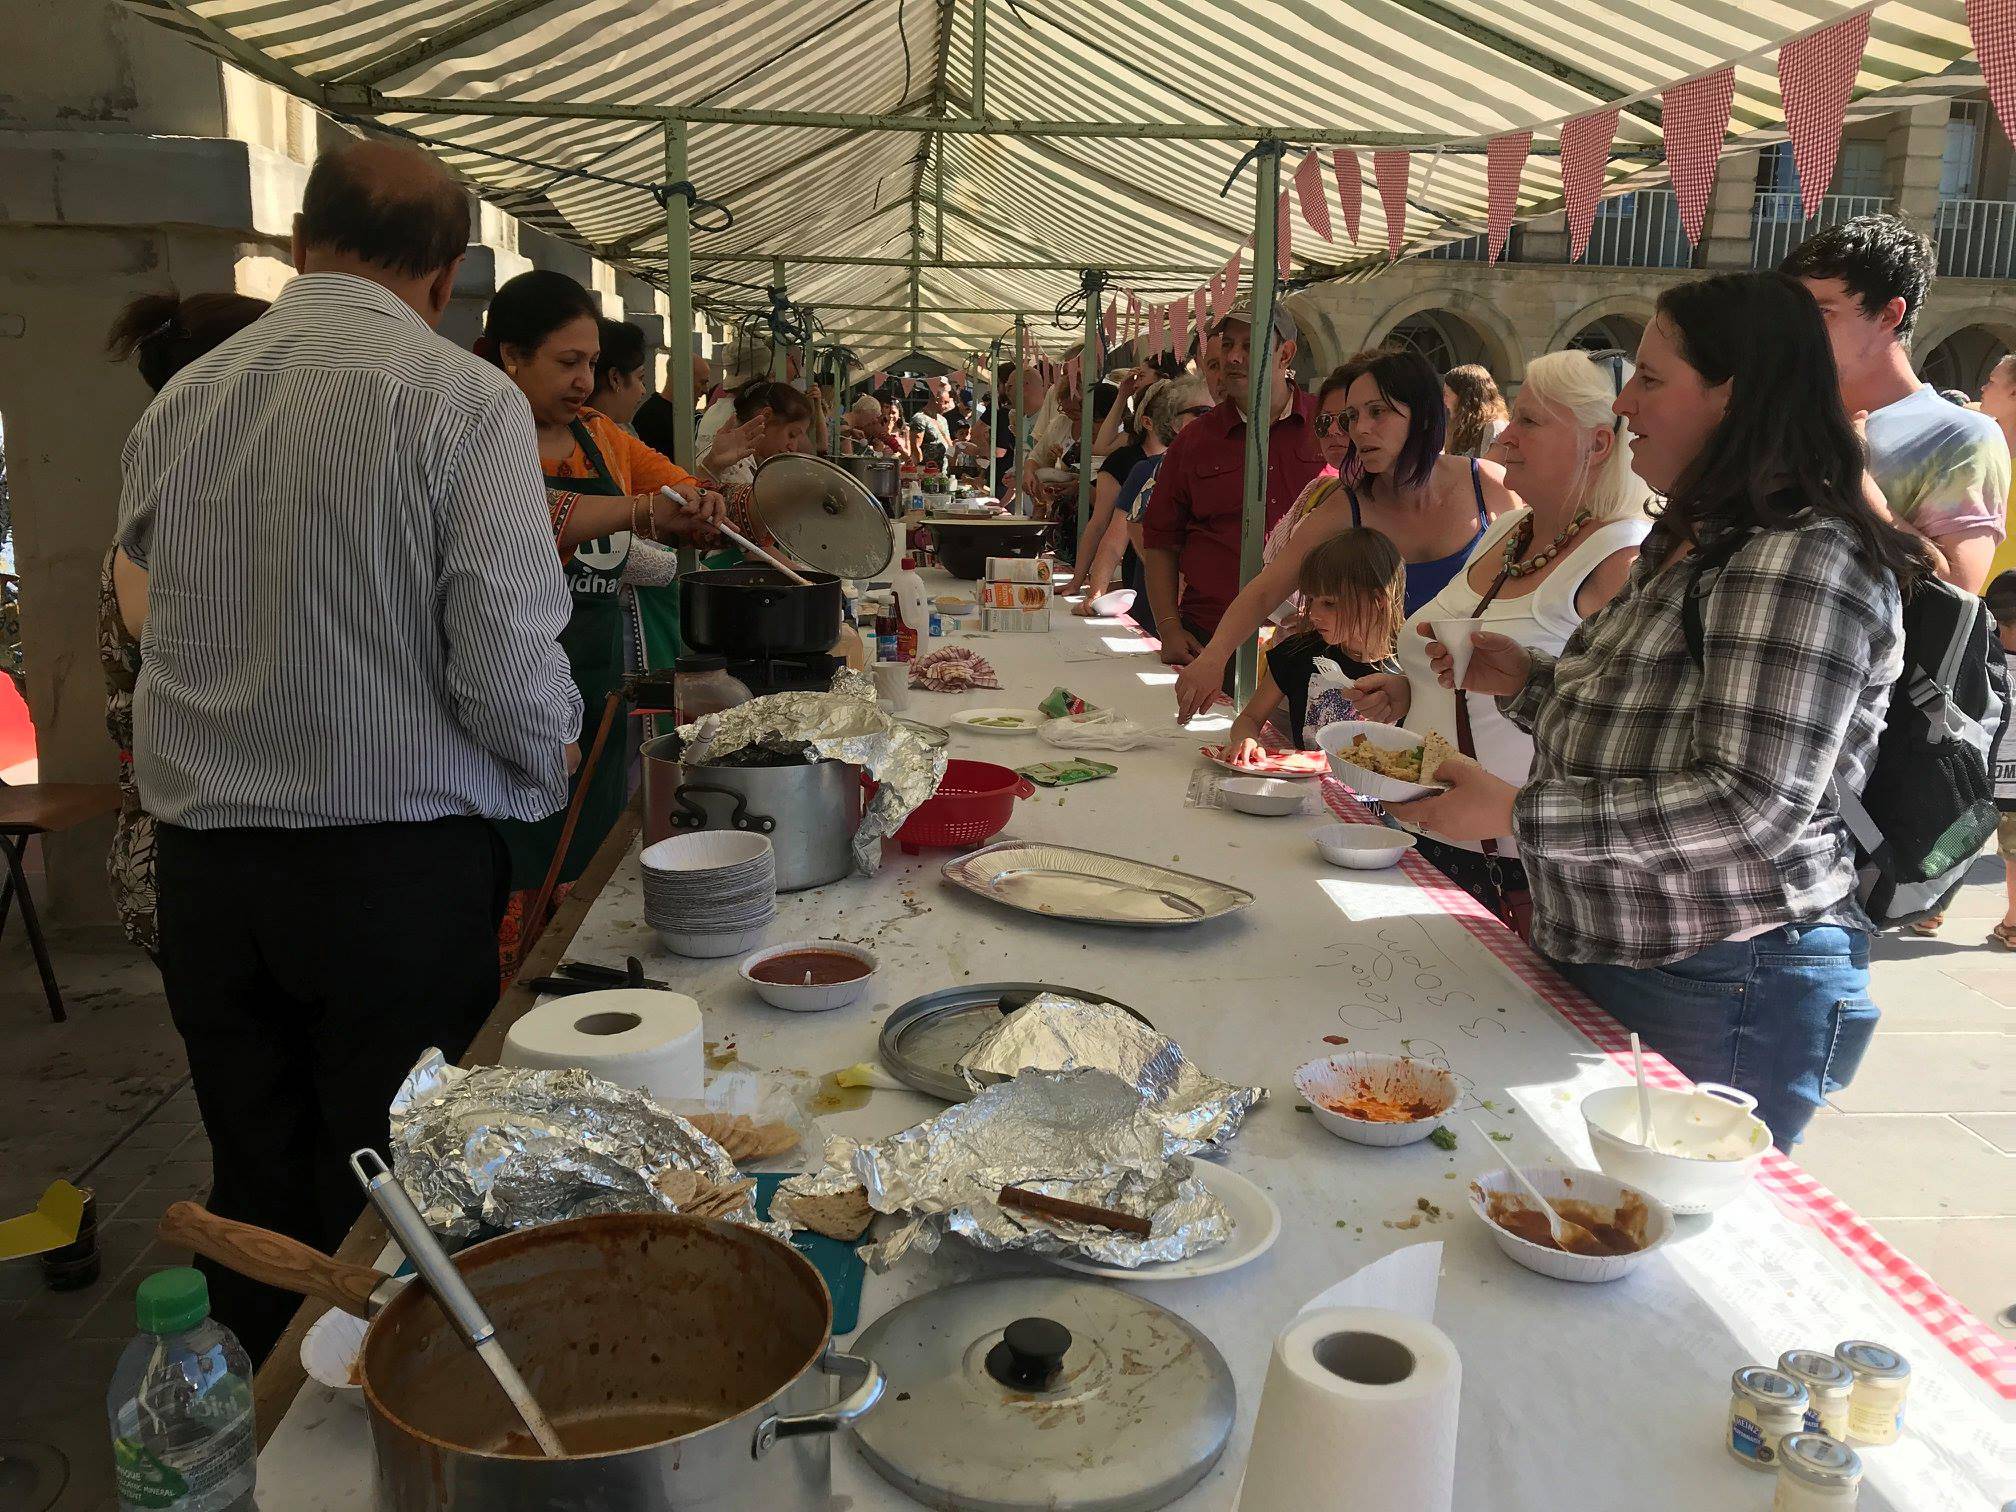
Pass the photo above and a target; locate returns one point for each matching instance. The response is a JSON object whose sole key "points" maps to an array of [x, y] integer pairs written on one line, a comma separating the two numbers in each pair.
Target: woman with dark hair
{"points": [[1435, 508], [605, 487], [620, 385], [1477, 410], [162, 333], [1689, 867]]}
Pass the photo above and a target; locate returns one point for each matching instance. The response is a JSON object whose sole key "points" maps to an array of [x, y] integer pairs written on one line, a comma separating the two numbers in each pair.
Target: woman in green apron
{"points": [[604, 486]]}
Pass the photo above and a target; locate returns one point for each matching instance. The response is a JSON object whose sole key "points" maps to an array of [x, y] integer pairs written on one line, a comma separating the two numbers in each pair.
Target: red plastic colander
{"points": [[973, 804]]}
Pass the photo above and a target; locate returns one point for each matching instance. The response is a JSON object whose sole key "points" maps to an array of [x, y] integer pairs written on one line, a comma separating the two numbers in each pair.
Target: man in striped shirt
{"points": [[335, 528]]}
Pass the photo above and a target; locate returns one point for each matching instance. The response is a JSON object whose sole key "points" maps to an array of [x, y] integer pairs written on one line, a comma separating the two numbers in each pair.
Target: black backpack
{"points": [[1929, 802]]}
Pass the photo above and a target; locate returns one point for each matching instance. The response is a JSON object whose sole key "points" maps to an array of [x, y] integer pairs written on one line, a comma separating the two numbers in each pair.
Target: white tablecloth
{"points": [[1583, 1397]]}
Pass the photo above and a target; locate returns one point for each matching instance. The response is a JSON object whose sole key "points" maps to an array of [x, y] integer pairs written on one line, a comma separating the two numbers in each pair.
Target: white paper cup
{"points": [[892, 684], [1455, 635]]}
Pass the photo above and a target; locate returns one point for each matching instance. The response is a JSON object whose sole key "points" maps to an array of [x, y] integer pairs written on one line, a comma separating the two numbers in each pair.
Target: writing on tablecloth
{"points": [[1398, 969]]}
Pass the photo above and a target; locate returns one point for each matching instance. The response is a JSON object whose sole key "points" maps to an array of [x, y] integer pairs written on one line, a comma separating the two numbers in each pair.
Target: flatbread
{"points": [[698, 1196], [1434, 751], [743, 1138], [843, 1215]]}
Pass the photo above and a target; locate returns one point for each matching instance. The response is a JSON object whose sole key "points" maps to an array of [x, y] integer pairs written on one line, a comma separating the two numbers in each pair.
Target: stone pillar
{"points": [[1726, 230], [1914, 154], [1545, 239], [484, 270]]}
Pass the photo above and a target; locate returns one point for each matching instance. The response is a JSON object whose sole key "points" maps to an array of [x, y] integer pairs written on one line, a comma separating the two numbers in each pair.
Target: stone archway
{"points": [[1469, 328], [1617, 321], [1958, 349]]}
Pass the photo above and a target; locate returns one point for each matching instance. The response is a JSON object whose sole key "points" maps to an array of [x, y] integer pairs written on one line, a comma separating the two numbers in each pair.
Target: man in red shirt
{"points": [[1193, 525]]}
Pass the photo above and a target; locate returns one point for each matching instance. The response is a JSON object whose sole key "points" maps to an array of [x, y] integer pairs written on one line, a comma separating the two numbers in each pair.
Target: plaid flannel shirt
{"points": [[1672, 805]]}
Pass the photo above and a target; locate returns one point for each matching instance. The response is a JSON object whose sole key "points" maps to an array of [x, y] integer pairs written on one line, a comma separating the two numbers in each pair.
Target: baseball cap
{"points": [[1241, 313]]}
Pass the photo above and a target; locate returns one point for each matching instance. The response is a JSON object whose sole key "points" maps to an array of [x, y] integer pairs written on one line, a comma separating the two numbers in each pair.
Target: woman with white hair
{"points": [[1535, 575]]}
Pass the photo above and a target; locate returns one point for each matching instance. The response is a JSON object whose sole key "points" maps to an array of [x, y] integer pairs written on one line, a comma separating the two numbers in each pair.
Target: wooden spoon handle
{"points": [[262, 1255], [1076, 1212]]}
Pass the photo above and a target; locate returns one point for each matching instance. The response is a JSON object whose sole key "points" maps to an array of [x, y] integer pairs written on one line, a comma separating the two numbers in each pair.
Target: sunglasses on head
{"points": [[1614, 358]]}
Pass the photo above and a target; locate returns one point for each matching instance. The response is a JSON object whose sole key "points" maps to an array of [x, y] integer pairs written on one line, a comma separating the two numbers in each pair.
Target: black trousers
{"points": [[306, 971]]}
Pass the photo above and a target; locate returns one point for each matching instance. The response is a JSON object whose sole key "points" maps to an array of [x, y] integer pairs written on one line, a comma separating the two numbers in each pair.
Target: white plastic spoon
{"points": [[1645, 1135], [1571, 1236]]}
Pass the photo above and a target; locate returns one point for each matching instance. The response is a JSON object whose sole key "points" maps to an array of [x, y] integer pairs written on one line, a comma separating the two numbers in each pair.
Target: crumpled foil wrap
{"points": [[1052, 1033], [841, 725], [502, 1148], [1085, 1136]]}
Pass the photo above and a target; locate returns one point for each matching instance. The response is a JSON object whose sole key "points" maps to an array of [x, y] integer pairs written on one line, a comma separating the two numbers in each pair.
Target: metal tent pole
{"points": [[841, 376], [1021, 405], [993, 418], [679, 294], [1090, 352], [780, 354], [1260, 407]]}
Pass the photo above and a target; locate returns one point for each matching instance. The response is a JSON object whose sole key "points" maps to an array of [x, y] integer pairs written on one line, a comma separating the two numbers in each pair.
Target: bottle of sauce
{"points": [[913, 612]]}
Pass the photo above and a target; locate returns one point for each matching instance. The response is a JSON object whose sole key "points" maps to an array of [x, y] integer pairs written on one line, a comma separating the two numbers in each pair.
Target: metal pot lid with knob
{"points": [[822, 515], [1032, 1392]]}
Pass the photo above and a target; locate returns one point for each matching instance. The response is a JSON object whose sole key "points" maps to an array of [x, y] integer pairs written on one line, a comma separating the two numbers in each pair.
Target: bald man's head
{"points": [[387, 205]]}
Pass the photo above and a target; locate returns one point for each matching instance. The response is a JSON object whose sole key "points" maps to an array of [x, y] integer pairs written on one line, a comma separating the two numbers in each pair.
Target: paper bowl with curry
{"points": [[1625, 1223], [1383, 761], [1377, 1099]]}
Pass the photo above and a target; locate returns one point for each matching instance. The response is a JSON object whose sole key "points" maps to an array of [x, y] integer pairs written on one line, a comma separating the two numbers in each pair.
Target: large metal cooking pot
{"points": [[881, 475], [757, 611], [810, 812], [964, 545], [683, 1361]]}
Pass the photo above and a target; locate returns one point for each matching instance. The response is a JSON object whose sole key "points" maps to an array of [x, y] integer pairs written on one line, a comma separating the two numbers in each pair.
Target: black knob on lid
{"points": [[1030, 1356]]}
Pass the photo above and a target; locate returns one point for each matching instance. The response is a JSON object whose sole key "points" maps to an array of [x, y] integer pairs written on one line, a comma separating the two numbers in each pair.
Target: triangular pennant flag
{"points": [[1283, 239], [1200, 316], [1697, 119], [1110, 323], [1816, 72], [1228, 288], [1993, 25], [1585, 152], [909, 386], [1179, 327], [1309, 196], [1390, 169], [1156, 343], [1350, 188], [1505, 161], [1133, 314]]}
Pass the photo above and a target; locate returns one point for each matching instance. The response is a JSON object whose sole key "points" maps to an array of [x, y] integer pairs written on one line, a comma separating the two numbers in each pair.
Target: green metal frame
{"points": [[1021, 403], [1260, 403], [1089, 356], [679, 293]]}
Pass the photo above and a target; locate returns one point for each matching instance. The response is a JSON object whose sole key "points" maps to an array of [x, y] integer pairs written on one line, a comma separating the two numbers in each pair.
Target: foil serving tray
{"points": [[922, 1041], [1091, 887]]}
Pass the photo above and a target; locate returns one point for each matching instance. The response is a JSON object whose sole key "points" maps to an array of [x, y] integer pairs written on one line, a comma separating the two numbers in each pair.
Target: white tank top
{"points": [[1542, 620]]}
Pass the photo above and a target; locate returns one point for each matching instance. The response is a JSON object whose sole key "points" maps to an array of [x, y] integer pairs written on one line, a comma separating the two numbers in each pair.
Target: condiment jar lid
{"points": [[1039, 1392], [1772, 1388], [822, 515], [1876, 1362], [1816, 1369], [1819, 1461]]}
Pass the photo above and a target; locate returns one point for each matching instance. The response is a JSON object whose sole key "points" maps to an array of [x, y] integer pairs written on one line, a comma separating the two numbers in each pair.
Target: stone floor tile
{"points": [[1910, 1165], [1908, 1072]]}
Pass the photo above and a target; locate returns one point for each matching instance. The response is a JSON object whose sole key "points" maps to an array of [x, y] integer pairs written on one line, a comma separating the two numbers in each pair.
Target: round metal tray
{"points": [[922, 1041]]}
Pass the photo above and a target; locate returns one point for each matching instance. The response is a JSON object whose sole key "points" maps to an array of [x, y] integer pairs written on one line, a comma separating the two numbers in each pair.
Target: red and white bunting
{"points": [[1697, 119], [1993, 25], [874, 381], [1156, 340], [1390, 169], [1309, 196], [1133, 314], [1200, 313], [1585, 153], [1816, 73], [1350, 188], [1228, 288], [1179, 327], [1284, 240], [1110, 322], [1505, 161]]}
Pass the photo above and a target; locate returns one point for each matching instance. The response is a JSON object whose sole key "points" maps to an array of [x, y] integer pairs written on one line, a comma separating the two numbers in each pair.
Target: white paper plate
{"points": [[1256, 1224], [1031, 720], [1333, 739], [331, 1348]]}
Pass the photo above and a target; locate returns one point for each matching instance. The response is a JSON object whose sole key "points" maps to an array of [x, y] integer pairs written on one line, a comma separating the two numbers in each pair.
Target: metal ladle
{"points": [[440, 1276]]}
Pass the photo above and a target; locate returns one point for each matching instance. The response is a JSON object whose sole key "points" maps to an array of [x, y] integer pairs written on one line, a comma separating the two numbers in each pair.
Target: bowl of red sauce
{"points": [[810, 976], [1377, 1099]]}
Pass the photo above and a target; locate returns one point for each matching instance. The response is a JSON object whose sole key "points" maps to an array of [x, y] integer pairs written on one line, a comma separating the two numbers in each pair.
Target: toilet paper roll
{"points": [[636, 1037], [1358, 1398]]}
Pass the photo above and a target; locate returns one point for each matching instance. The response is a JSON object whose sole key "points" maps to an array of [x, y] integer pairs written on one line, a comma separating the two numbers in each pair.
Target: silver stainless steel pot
{"points": [[881, 476], [684, 1362], [810, 812]]}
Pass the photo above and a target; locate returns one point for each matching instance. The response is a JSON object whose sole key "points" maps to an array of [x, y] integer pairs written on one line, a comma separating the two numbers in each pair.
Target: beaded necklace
{"points": [[1516, 564]]}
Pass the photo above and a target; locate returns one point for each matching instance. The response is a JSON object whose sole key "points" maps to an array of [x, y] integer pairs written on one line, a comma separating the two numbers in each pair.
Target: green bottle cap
{"points": [[170, 1301]]}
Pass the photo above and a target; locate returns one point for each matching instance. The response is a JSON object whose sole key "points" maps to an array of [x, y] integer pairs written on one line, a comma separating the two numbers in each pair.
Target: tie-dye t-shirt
{"points": [[1943, 468]]}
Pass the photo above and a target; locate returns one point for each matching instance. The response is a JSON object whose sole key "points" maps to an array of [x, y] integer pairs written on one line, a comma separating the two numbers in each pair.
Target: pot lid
{"points": [[1038, 1392], [822, 515]]}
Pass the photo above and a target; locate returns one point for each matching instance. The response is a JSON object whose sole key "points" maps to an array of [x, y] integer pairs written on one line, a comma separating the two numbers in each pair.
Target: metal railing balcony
{"points": [[1976, 238], [1639, 230], [1778, 222]]}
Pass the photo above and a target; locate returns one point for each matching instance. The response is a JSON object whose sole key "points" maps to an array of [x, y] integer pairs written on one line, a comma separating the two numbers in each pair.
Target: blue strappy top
{"points": [[1426, 579]]}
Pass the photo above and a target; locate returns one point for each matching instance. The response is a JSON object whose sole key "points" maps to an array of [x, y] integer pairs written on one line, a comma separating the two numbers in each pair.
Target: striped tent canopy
{"points": [[1107, 137]]}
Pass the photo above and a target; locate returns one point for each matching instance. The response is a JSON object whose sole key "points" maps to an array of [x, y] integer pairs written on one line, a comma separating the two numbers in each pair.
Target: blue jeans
{"points": [[1785, 1017]]}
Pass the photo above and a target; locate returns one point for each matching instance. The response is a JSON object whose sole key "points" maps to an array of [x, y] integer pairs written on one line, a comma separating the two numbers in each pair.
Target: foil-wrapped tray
{"points": [[923, 1041], [1091, 887]]}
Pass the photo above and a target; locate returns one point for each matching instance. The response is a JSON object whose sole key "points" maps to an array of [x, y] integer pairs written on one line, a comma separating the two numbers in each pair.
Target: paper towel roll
{"points": [[1356, 1398], [636, 1037]]}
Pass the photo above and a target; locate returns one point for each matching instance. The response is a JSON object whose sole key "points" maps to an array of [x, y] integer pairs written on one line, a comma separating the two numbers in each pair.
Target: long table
{"points": [[1590, 1397]]}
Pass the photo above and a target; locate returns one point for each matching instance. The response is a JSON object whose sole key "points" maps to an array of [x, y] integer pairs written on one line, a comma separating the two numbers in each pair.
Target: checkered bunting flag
{"points": [[1505, 161], [1993, 24], [1816, 73], [1309, 197], [1697, 119], [1350, 188], [1228, 288], [1585, 151], [1390, 169]]}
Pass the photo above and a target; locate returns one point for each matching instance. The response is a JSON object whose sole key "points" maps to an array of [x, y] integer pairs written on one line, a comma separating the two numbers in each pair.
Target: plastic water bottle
{"points": [[181, 1405], [913, 610]]}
